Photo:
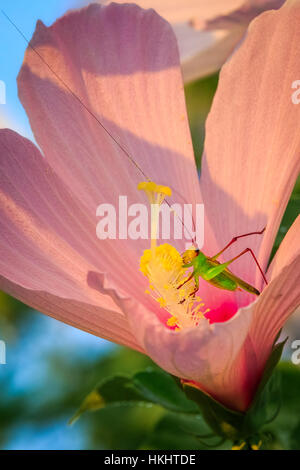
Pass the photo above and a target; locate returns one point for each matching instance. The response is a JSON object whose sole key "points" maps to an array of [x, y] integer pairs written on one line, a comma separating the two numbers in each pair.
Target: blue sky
{"points": [[27, 373], [24, 14]]}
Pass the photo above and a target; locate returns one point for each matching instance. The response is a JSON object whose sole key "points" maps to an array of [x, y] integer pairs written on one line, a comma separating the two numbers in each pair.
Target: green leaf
{"points": [[235, 425], [92, 402], [295, 437], [161, 388], [156, 387], [150, 386], [222, 420], [117, 389], [284, 429], [126, 426], [169, 434], [193, 424]]}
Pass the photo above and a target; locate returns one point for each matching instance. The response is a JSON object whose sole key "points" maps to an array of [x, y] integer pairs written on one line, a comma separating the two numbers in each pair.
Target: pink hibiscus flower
{"points": [[123, 63]]}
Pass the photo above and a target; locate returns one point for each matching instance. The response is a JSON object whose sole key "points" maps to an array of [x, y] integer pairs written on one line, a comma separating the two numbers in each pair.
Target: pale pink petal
{"points": [[287, 251], [252, 139], [205, 354], [243, 14], [48, 246], [270, 312], [94, 319], [282, 296], [207, 31], [268, 315], [180, 11], [204, 52], [272, 309], [123, 63]]}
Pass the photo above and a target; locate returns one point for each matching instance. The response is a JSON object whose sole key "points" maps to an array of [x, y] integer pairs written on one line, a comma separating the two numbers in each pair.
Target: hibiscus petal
{"points": [[107, 324], [287, 250], [123, 63], [273, 307], [252, 141], [205, 354], [48, 245], [207, 32], [282, 296], [242, 14], [269, 314], [204, 52]]}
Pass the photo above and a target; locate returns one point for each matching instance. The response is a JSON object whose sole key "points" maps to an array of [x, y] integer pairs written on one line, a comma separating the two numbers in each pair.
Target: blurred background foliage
{"points": [[51, 367]]}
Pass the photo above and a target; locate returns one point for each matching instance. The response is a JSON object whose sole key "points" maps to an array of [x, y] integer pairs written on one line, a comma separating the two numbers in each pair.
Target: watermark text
{"points": [[176, 221], [2, 352], [295, 358], [2, 92]]}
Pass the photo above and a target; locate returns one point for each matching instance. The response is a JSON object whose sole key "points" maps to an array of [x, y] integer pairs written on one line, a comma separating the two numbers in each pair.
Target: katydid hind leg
{"points": [[248, 250], [247, 287], [214, 271], [234, 239], [242, 283]]}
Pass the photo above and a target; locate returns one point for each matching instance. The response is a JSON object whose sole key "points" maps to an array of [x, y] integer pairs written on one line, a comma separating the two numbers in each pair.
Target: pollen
{"points": [[166, 255]]}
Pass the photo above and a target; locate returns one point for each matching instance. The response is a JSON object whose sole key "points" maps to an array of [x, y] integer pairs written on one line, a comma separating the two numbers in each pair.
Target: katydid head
{"points": [[189, 255], [192, 256]]}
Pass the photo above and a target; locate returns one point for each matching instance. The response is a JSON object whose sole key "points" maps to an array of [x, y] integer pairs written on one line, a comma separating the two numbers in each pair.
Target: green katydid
{"points": [[216, 273]]}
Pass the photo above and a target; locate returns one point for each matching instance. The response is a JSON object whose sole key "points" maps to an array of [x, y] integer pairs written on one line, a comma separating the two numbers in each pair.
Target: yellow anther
{"points": [[151, 187]]}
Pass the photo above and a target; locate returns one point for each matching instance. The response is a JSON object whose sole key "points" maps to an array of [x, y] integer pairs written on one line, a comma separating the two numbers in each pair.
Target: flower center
{"points": [[163, 266]]}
